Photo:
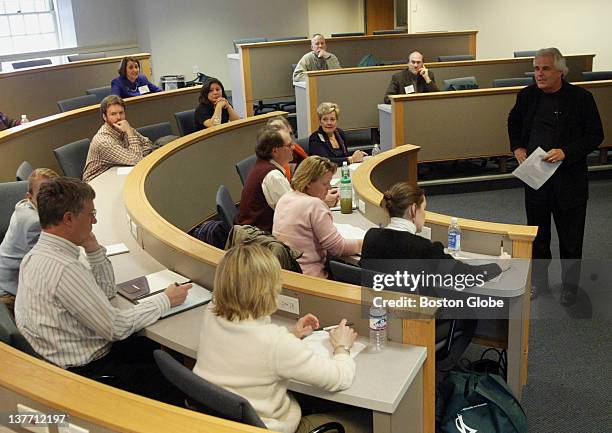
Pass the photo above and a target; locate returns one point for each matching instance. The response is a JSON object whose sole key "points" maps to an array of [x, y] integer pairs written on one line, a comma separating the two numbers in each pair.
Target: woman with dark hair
{"points": [[130, 81], [6, 122], [214, 109]]}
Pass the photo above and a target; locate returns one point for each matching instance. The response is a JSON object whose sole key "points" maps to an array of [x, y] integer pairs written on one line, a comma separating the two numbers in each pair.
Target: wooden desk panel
{"points": [[35, 91]]}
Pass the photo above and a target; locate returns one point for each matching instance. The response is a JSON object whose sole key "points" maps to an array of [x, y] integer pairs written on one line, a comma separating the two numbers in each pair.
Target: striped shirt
{"points": [[110, 148], [63, 309]]}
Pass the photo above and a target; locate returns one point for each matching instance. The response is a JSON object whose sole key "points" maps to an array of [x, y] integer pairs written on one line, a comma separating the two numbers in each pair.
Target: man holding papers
{"points": [[563, 120], [62, 306]]}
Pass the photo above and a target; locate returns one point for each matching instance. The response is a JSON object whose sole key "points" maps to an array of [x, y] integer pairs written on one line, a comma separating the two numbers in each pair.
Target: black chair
{"points": [[527, 53], [185, 122], [155, 131], [24, 171], [391, 62], [340, 35], [237, 42], [358, 139], [288, 38], [99, 92], [597, 75], [509, 82], [389, 32], [456, 58], [463, 83], [86, 56], [214, 400], [226, 206], [31, 63], [9, 334], [304, 142], [244, 167], [10, 194], [72, 157], [77, 102], [452, 335]]}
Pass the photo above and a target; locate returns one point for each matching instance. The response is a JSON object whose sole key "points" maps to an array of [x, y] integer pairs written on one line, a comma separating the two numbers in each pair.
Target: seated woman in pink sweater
{"points": [[303, 221]]}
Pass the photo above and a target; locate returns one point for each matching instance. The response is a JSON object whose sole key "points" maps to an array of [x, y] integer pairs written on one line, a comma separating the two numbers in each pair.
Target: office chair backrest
{"points": [[463, 83], [247, 41], [185, 122], [72, 157], [10, 194], [509, 82], [597, 75], [31, 63], [24, 171], [527, 53], [86, 56], [390, 32], [456, 58], [77, 102], [9, 334], [339, 35], [226, 207], [213, 398], [155, 131], [99, 92], [305, 143], [245, 166], [289, 38]]}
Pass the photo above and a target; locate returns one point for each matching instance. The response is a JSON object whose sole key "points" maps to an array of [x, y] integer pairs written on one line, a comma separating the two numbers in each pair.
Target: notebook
{"points": [[319, 342]]}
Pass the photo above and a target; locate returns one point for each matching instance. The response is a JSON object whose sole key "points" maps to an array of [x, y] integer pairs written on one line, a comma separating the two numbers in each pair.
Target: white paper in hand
{"points": [[320, 344], [534, 171]]}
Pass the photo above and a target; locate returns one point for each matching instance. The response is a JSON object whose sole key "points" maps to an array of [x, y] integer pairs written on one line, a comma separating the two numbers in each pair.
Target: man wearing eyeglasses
{"points": [[62, 306]]}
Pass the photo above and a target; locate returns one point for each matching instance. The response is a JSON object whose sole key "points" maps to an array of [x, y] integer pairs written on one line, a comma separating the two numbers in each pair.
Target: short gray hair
{"points": [[558, 58]]}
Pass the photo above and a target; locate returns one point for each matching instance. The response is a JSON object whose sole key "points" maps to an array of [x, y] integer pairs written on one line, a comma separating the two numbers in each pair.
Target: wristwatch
{"points": [[347, 348]]}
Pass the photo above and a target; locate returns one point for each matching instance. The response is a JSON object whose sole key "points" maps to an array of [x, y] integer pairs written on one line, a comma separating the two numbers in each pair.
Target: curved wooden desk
{"points": [[35, 91], [35, 141]]}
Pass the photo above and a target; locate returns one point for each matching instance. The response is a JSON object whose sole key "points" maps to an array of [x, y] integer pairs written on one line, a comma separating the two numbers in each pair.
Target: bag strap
{"points": [[491, 398]]}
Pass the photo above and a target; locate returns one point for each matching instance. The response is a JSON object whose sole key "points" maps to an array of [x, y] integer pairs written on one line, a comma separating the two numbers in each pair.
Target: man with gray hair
{"points": [[564, 121], [316, 60]]}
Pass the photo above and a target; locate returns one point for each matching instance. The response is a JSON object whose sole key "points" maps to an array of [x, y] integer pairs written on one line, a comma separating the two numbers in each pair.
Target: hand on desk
{"points": [[177, 293], [342, 336], [305, 325]]}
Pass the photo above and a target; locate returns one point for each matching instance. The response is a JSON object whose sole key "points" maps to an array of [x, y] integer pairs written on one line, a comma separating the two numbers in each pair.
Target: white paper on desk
{"points": [[196, 296], [114, 249], [534, 171], [349, 231], [122, 171], [478, 259], [320, 344]]}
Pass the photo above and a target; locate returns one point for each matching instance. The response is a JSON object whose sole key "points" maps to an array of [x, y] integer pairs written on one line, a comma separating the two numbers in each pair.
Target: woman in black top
{"points": [[214, 109], [329, 141], [405, 204]]}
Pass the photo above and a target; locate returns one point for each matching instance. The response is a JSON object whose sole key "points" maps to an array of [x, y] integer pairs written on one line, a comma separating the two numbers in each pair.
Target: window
{"points": [[28, 25]]}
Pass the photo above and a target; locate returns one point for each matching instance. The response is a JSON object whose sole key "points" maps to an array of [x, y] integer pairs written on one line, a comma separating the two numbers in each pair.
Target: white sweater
{"points": [[256, 358]]}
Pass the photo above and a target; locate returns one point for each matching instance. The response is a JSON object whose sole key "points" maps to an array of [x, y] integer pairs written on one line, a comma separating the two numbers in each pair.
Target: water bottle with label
{"points": [[378, 328], [454, 237], [346, 194], [24, 119], [376, 150]]}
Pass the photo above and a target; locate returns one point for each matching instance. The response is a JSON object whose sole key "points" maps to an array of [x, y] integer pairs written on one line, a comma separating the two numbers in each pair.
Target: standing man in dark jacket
{"points": [[564, 121]]}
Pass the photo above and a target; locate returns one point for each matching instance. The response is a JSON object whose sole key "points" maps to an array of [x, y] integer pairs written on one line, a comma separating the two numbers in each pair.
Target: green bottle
{"points": [[346, 194]]}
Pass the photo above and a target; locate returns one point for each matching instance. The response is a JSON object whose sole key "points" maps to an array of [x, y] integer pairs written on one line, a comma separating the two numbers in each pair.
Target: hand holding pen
{"points": [[177, 293]]}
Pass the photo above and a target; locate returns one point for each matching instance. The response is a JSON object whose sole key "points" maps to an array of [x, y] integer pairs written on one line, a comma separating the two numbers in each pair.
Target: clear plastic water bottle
{"points": [[344, 171], [376, 150], [454, 237], [378, 328], [24, 119]]}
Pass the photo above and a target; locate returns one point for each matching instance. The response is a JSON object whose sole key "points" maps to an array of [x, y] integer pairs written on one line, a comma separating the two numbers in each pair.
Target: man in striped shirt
{"points": [[62, 306], [116, 142]]}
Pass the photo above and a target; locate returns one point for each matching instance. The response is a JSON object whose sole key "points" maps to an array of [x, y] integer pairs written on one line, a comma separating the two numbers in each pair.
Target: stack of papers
{"points": [[320, 344], [534, 171], [349, 231]]}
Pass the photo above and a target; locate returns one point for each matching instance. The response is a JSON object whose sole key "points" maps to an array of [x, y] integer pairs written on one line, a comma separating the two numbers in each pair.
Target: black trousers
{"points": [[130, 366], [570, 230]]}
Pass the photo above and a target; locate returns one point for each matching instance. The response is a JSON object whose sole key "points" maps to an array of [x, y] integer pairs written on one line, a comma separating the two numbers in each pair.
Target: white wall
{"points": [[335, 16], [104, 22], [186, 34], [503, 27]]}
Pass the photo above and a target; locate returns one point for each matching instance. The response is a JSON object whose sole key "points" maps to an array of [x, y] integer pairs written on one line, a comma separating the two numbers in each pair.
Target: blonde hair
{"points": [[279, 122], [326, 108], [397, 199], [37, 175], [247, 283], [311, 169]]}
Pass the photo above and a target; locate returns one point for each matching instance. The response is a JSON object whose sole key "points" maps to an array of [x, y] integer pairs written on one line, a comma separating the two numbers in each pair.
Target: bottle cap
{"points": [[454, 220]]}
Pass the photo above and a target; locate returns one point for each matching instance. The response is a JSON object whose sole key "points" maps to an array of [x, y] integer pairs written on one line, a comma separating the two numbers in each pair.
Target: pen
{"points": [[329, 328], [184, 282]]}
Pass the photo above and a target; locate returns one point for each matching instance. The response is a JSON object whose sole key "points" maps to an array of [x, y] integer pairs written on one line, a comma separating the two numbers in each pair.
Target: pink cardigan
{"points": [[305, 223]]}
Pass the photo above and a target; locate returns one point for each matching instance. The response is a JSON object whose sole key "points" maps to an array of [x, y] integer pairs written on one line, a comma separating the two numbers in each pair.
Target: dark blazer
{"points": [[404, 78], [324, 147], [380, 246], [578, 132]]}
